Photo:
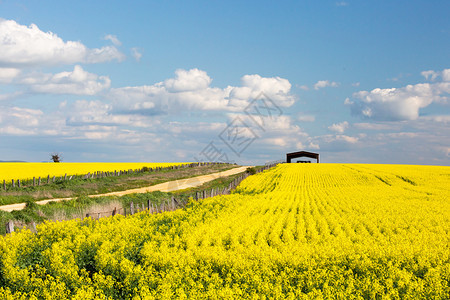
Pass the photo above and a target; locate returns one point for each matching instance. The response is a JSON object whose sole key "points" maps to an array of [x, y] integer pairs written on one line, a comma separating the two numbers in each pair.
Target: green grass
{"points": [[80, 187], [77, 207]]}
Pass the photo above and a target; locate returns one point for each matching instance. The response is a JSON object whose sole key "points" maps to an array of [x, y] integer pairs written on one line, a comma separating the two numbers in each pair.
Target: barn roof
{"points": [[292, 155]]}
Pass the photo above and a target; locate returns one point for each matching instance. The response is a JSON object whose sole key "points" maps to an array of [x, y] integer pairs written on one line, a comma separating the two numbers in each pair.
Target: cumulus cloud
{"points": [[29, 46], [278, 132], [76, 82], [188, 80], [191, 89], [113, 39], [276, 88], [396, 104], [339, 127], [325, 83]]}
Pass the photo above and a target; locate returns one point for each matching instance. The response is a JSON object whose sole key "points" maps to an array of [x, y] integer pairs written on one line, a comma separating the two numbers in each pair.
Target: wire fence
{"points": [[167, 205], [39, 181]]}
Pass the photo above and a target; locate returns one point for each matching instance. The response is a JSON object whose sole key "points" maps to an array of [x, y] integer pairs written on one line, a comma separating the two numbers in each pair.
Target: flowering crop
{"points": [[296, 231], [16, 171]]}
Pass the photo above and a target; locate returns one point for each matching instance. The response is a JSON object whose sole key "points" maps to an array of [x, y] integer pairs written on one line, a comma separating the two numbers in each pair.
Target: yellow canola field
{"points": [[298, 231], [21, 171]]}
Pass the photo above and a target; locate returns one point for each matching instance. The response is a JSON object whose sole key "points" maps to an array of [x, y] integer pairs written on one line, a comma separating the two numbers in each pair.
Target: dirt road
{"points": [[169, 186]]}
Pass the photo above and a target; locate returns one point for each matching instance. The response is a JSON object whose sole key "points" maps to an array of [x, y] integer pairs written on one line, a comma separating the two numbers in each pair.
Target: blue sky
{"points": [[356, 81]]}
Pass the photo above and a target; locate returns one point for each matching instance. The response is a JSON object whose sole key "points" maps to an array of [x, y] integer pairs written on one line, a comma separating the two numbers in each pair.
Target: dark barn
{"points": [[293, 155]]}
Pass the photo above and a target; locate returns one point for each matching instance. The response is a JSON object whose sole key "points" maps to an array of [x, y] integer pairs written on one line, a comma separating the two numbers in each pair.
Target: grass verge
{"points": [[78, 207], [82, 187]]}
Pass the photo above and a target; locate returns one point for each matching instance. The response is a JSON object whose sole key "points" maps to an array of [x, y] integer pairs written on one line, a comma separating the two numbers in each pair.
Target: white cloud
{"points": [[83, 113], [432, 75], [188, 80], [313, 146], [342, 3], [191, 90], [278, 132], [339, 139], [76, 82], [439, 118], [398, 103], [325, 83], [26, 46], [276, 88], [339, 127], [20, 121], [377, 126], [303, 87], [446, 75], [136, 54], [11, 96], [113, 39], [8, 74], [306, 118]]}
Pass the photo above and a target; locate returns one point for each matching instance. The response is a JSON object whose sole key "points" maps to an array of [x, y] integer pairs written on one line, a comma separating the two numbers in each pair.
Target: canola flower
{"points": [[297, 231], [21, 171]]}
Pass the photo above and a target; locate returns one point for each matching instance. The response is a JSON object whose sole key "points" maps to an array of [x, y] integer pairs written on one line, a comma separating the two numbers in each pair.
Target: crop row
{"points": [[295, 231]]}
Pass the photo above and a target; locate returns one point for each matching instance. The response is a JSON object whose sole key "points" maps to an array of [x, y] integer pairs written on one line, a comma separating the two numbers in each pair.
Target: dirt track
{"points": [[169, 186]]}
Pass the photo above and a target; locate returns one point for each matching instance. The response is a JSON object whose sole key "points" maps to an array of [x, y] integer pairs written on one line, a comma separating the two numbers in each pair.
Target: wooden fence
{"points": [[21, 183], [168, 205]]}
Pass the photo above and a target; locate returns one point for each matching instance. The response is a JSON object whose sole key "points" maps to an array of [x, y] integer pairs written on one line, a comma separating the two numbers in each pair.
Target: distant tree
{"points": [[56, 157]]}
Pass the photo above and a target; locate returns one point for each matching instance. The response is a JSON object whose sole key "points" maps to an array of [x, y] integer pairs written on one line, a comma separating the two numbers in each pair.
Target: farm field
{"points": [[297, 231], [9, 171]]}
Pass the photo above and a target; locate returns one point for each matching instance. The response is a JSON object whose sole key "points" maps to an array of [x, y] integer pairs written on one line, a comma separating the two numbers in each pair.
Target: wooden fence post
{"points": [[18, 183], [10, 226], [39, 181], [114, 212], [4, 185], [131, 208]]}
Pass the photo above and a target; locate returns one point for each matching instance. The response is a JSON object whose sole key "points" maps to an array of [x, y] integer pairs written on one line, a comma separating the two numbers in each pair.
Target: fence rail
{"points": [[168, 205]]}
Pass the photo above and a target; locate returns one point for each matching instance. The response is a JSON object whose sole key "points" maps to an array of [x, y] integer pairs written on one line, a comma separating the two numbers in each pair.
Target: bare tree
{"points": [[56, 157]]}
